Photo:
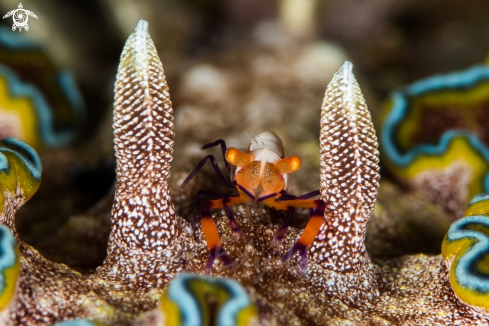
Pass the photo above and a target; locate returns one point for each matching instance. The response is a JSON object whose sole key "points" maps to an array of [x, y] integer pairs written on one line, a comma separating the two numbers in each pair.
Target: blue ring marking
{"points": [[4, 166], [26, 153], [45, 124], [15, 41], [187, 304], [479, 198], [239, 301], [466, 275], [7, 253], [68, 85], [400, 108], [77, 322], [189, 307]]}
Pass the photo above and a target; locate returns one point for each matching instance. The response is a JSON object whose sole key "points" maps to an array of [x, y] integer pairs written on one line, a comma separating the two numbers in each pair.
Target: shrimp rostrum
{"points": [[260, 178]]}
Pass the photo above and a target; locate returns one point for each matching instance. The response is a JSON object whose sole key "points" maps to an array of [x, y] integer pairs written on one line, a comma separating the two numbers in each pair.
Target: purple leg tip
{"points": [[237, 233], [218, 252], [290, 253], [277, 239], [303, 254], [221, 253], [210, 262], [279, 236]]}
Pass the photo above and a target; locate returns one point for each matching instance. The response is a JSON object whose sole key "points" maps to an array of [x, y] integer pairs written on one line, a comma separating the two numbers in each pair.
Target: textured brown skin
{"points": [[342, 288], [349, 182], [349, 174], [143, 217]]}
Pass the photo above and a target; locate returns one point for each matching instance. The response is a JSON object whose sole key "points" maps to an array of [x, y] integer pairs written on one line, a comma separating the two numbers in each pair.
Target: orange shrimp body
{"points": [[260, 178], [261, 173]]}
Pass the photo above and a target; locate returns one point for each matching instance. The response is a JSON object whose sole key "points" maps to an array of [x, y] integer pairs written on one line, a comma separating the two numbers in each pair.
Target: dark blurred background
{"points": [[391, 43]]}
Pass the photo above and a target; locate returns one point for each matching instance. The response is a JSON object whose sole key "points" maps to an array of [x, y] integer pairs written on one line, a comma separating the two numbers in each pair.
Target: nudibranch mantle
{"points": [[19, 163], [466, 252], [149, 245], [9, 271], [185, 297], [457, 81], [436, 126], [79, 322], [47, 111]]}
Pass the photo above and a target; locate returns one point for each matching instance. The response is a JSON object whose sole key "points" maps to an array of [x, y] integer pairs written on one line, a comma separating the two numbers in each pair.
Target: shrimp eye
{"points": [[289, 164], [237, 157]]}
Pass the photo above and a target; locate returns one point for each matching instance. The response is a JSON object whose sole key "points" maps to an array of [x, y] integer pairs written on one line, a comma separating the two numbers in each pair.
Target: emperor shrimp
{"points": [[260, 178]]}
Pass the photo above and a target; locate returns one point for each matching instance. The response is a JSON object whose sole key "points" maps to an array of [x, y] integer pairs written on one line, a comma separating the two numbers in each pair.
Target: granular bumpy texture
{"points": [[150, 244], [143, 130], [349, 180]]}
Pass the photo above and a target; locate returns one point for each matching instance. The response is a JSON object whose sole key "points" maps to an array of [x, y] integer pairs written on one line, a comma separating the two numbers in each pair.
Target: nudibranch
{"points": [[39, 103], [9, 271], [433, 135], [199, 300], [466, 253], [150, 247], [80, 322], [20, 170]]}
